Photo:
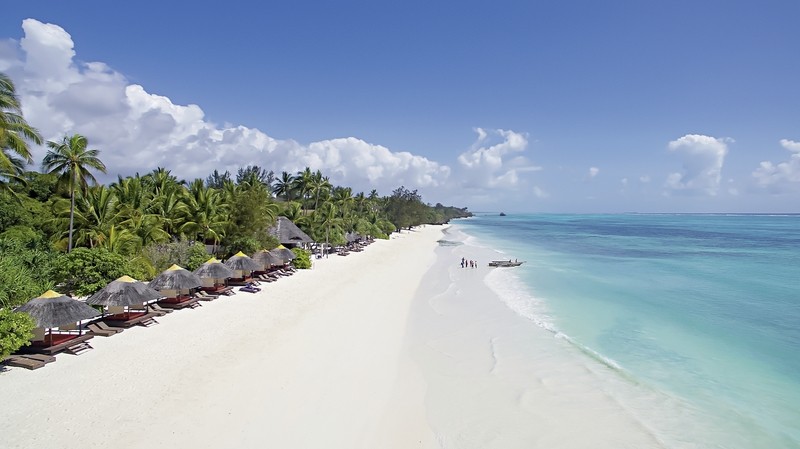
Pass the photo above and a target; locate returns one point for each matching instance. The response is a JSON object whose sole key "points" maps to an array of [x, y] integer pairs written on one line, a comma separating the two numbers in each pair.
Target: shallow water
{"points": [[700, 310]]}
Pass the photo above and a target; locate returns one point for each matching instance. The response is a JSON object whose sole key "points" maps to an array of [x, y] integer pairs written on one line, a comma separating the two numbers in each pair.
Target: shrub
{"points": [[246, 245], [85, 271], [24, 273], [15, 331], [302, 259], [197, 256]]}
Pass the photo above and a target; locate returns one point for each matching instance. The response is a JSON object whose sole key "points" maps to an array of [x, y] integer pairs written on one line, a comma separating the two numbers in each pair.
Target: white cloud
{"points": [[624, 182], [495, 160], [539, 193], [644, 179], [703, 158], [593, 171], [137, 131], [783, 176]]}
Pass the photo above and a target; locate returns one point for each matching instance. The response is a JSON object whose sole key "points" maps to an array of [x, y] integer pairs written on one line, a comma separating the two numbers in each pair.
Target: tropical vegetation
{"points": [[60, 228]]}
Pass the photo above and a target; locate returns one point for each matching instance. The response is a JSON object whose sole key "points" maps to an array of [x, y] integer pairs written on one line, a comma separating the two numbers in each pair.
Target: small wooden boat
{"points": [[505, 263]]}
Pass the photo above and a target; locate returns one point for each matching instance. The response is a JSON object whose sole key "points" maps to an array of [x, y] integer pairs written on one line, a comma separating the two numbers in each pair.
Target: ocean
{"points": [[702, 311]]}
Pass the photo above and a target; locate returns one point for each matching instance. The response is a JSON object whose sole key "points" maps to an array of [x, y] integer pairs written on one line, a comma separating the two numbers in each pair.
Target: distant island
{"points": [[502, 214]]}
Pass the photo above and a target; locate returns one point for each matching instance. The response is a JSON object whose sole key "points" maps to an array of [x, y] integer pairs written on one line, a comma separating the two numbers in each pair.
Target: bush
{"points": [[25, 273], [85, 271], [197, 256], [15, 331], [302, 259], [246, 245]]}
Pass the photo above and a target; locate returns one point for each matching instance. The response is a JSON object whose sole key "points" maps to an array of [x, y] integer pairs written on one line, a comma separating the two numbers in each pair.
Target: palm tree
{"points": [[71, 160], [328, 219], [204, 213], [15, 133], [95, 211], [284, 186], [320, 186], [303, 183]]}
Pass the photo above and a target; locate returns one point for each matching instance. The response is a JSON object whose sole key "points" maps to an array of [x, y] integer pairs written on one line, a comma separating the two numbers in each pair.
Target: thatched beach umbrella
{"points": [[215, 269], [267, 259], [176, 278], [53, 309], [284, 253], [242, 262], [124, 292]]}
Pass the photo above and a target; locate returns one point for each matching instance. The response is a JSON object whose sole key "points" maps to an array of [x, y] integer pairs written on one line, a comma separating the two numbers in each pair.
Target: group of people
{"points": [[465, 263]]}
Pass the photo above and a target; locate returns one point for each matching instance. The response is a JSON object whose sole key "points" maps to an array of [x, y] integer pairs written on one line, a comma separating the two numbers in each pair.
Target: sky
{"points": [[530, 106]]}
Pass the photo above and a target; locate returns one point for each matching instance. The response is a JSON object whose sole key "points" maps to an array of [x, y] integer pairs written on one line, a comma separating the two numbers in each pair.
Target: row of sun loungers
{"points": [[35, 357]]}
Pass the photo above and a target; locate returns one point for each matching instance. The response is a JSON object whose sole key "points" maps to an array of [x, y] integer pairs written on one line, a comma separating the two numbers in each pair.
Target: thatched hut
{"points": [[266, 259], [289, 234], [176, 283], [243, 267], [213, 275], [125, 301], [58, 319]]}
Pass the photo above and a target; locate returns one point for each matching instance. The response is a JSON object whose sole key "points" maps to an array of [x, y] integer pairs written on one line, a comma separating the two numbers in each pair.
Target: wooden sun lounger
{"points": [[158, 310], [191, 303], [145, 320], [227, 291], [40, 357], [107, 328], [23, 362], [75, 346], [97, 330], [205, 296]]}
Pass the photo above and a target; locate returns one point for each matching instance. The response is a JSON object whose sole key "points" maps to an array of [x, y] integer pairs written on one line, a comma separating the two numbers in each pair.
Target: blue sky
{"points": [[571, 106]]}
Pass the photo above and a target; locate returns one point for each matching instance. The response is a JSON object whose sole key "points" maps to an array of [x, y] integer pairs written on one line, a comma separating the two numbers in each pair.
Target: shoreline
{"points": [[313, 360], [498, 379]]}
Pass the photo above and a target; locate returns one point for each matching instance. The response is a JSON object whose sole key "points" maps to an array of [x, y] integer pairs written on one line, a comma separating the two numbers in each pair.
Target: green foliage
{"points": [[302, 259], [270, 242], [25, 272], [251, 215], [15, 331], [84, 271], [22, 235], [163, 255], [246, 245], [197, 256]]}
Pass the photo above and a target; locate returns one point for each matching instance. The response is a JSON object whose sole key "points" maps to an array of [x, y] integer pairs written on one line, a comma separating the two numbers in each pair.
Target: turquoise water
{"points": [[702, 307]]}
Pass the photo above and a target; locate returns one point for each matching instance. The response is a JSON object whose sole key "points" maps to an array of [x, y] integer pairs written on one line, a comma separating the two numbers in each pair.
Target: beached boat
{"points": [[505, 263]]}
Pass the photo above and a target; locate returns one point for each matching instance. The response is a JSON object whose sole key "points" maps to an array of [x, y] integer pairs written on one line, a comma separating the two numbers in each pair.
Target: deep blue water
{"points": [[703, 307]]}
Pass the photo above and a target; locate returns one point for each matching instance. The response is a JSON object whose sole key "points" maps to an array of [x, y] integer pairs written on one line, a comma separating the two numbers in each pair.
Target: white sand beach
{"points": [[314, 360], [392, 347]]}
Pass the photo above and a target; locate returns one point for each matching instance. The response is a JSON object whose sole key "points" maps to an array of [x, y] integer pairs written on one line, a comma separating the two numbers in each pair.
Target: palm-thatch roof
{"points": [[176, 278], [267, 259], [53, 309], [288, 233], [242, 262], [213, 268], [284, 253], [124, 291]]}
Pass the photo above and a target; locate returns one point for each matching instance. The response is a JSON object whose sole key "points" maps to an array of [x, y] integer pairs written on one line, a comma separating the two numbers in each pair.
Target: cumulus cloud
{"points": [[593, 171], [137, 131], [644, 179], [703, 158], [783, 176], [495, 160]]}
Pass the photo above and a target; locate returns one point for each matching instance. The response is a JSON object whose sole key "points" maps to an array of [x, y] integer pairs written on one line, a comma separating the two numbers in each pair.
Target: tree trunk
{"points": [[71, 218]]}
